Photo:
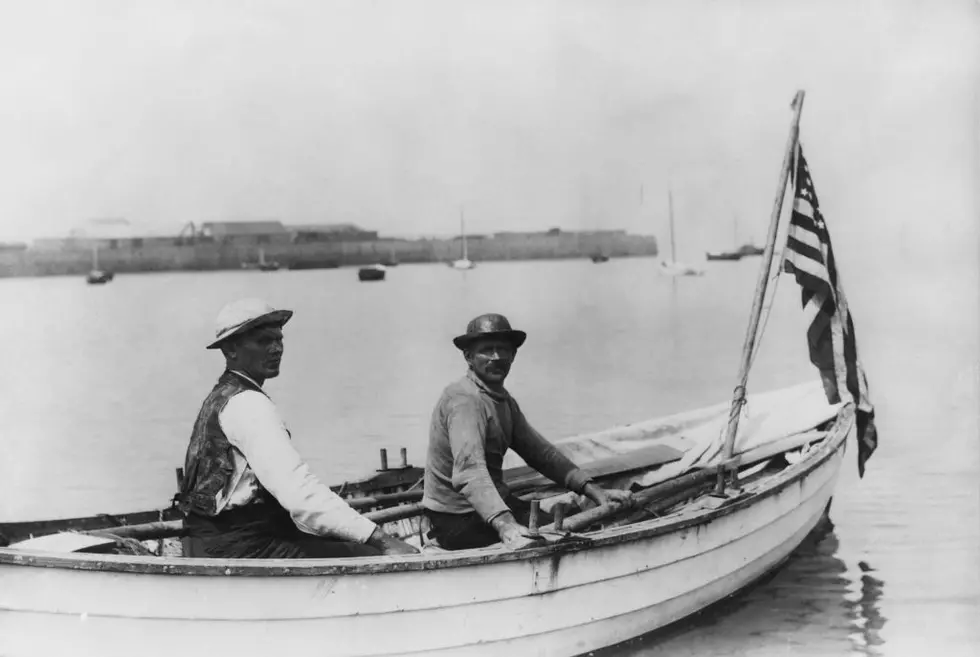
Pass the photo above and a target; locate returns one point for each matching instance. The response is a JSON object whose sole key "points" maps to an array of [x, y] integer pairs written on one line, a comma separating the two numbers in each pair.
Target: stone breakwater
{"points": [[134, 255]]}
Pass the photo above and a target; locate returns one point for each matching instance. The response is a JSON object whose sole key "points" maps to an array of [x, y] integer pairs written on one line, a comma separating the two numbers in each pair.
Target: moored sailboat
{"points": [[97, 276], [464, 261], [674, 268]]}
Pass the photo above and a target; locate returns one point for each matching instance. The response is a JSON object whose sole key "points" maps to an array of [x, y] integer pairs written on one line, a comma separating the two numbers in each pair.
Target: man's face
{"points": [[490, 359], [258, 352]]}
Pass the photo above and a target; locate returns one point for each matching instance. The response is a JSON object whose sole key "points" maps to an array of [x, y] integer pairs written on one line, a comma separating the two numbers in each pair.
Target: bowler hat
{"points": [[490, 325], [243, 315]]}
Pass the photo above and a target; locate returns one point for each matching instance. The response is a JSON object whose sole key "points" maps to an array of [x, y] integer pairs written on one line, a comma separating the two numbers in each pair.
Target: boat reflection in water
{"points": [[815, 604]]}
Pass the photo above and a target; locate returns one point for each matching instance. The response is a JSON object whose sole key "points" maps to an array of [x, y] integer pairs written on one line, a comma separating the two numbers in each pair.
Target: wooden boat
{"points": [[372, 273], [600, 257], [711, 517], [585, 591]]}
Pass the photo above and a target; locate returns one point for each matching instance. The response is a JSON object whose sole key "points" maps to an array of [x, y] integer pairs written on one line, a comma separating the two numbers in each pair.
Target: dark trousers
{"points": [[262, 531], [464, 531]]}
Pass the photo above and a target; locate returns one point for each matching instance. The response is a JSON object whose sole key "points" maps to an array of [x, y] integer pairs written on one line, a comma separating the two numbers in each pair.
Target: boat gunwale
{"points": [[413, 563]]}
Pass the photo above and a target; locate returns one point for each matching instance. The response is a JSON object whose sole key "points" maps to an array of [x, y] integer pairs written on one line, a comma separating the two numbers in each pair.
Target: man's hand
{"points": [[611, 497], [513, 534], [389, 544]]}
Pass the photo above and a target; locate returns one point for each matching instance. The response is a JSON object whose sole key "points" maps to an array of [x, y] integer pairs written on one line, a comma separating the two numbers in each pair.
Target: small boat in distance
{"points": [[372, 273], [674, 268], [265, 265], [464, 262], [98, 276], [751, 250], [391, 260], [723, 255], [737, 254], [262, 264], [600, 257]]}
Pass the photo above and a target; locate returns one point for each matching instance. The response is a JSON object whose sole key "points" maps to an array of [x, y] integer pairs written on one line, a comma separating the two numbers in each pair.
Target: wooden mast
{"points": [[670, 214], [760, 292], [462, 231]]}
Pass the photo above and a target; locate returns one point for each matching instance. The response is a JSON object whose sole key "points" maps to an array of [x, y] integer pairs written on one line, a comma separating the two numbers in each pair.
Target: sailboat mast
{"points": [[748, 347], [670, 213], [95, 256], [462, 231]]}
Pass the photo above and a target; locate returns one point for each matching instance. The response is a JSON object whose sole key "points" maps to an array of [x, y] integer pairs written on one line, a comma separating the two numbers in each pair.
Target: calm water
{"points": [[104, 382]]}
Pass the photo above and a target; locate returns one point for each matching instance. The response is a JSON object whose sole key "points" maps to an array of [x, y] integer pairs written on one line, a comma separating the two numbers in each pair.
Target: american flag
{"points": [[830, 335]]}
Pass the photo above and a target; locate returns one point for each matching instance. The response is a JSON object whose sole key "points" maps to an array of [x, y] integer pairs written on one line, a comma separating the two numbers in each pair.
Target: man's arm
{"points": [[467, 428], [253, 426], [543, 456], [552, 463]]}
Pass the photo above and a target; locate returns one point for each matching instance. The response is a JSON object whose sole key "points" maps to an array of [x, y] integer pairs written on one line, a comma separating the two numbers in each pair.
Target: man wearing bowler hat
{"points": [[473, 425], [246, 492]]}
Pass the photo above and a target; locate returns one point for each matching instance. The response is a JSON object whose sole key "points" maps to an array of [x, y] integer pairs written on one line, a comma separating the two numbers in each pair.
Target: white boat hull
{"points": [[635, 580]]}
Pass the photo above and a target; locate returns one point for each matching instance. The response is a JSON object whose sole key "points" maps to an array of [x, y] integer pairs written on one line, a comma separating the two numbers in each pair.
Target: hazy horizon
{"points": [[578, 115]]}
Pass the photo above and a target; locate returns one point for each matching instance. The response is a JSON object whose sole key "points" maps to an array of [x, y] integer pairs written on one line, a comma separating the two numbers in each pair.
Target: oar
{"points": [[693, 480]]}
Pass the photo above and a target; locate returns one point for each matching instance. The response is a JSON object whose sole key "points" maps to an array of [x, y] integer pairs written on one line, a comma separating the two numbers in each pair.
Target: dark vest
{"points": [[209, 464]]}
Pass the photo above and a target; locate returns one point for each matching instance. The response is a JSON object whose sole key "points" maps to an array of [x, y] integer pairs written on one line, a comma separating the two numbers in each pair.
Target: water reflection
{"points": [[815, 604]]}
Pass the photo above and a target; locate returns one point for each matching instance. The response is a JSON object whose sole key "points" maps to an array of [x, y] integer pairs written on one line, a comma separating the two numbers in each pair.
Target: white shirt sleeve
{"points": [[252, 425]]}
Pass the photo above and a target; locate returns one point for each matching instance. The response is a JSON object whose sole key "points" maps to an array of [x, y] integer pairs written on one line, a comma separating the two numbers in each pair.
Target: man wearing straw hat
{"points": [[473, 425], [246, 492]]}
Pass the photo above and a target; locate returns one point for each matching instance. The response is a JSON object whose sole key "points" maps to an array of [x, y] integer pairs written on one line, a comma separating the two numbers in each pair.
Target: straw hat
{"points": [[243, 315]]}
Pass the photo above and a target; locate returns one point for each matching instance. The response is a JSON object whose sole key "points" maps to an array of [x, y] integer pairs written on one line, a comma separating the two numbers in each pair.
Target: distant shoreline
{"points": [[75, 258]]}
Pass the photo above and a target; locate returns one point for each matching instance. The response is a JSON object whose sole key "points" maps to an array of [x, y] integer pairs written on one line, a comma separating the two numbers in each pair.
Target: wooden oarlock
{"points": [[532, 521], [751, 332], [559, 515], [384, 458], [404, 453]]}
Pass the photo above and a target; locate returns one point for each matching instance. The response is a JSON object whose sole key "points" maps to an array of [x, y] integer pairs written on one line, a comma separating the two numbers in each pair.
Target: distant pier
{"points": [[241, 245]]}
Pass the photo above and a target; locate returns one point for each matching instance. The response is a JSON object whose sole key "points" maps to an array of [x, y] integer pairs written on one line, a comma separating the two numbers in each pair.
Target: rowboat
{"points": [[724, 494], [588, 589]]}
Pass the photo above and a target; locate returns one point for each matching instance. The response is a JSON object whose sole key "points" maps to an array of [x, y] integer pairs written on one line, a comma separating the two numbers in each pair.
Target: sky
{"points": [[399, 115]]}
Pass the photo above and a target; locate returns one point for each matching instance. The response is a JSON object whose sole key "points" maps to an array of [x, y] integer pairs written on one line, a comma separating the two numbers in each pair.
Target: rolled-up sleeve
{"points": [[543, 456], [467, 435], [253, 426]]}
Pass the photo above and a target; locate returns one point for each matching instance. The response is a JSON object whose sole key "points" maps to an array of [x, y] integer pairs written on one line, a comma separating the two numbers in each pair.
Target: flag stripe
{"points": [[807, 236], [800, 242], [830, 326]]}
